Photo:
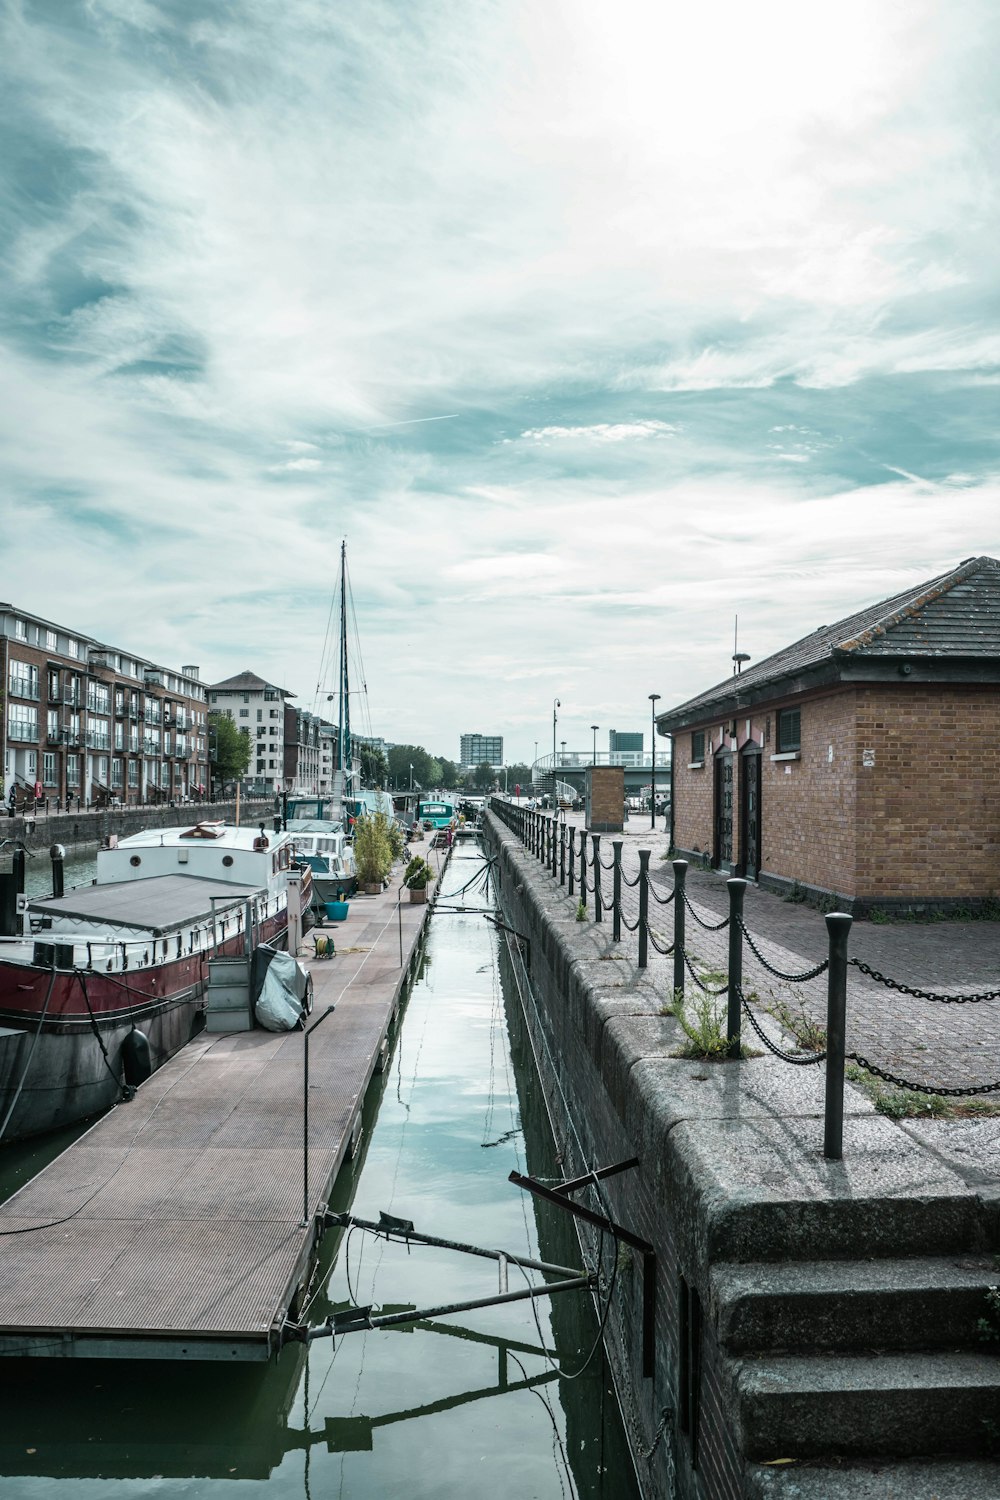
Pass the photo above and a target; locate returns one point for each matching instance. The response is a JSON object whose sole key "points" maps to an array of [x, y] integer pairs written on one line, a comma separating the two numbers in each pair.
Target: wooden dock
{"points": [[173, 1227]]}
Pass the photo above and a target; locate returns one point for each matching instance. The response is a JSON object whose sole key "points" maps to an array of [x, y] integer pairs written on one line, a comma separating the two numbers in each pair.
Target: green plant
{"points": [[809, 1034], [581, 911], [879, 915], [988, 1326], [372, 848], [396, 839], [703, 1023], [417, 874], [796, 896]]}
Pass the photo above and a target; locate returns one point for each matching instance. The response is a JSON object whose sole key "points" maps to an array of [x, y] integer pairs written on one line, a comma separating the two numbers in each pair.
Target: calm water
{"points": [[467, 1406], [80, 870]]}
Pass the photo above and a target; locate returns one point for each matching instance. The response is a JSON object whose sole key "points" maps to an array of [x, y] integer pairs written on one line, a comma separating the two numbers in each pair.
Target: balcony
{"points": [[23, 733], [98, 741], [22, 687]]}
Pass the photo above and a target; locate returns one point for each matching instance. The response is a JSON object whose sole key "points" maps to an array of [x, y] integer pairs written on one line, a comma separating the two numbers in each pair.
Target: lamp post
{"points": [[555, 716], [411, 777], [595, 728], [653, 697]]}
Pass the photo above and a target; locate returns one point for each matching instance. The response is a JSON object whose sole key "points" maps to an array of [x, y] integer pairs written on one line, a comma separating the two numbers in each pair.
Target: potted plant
{"points": [[416, 877], [372, 852]]}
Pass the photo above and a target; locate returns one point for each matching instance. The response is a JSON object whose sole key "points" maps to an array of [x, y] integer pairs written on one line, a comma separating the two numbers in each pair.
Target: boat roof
{"points": [[315, 825], [218, 835], [160, 904]]}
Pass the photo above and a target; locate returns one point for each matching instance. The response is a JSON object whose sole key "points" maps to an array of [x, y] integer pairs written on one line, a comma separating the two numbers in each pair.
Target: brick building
{"points": [[86, 720], [863, 760]]}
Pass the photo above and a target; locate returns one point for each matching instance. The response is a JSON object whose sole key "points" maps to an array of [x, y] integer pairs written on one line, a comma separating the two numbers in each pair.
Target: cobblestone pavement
{"points": [[953, 1046]]}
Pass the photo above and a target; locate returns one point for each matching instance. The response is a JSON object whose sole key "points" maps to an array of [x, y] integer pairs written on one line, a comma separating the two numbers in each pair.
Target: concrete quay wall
{"points": [[747, 1218], [80, 831]]}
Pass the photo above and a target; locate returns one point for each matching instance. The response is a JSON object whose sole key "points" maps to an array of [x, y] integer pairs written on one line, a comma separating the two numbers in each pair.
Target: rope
{"points": [[708, 926], [31, 1053], [905, 989], [779, 973]]}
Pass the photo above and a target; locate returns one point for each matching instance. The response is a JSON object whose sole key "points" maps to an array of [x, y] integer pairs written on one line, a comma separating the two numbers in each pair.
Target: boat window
{"points": [[227, 860], [135, 860]]}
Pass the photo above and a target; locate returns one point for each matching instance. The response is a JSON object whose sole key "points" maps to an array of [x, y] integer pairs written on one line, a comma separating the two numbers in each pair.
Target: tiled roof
{"points": [[246, 682], [954, 615]]}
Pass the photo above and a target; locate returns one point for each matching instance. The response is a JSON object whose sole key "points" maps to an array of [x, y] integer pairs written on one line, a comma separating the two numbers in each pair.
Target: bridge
{"points": [[572, 766]]}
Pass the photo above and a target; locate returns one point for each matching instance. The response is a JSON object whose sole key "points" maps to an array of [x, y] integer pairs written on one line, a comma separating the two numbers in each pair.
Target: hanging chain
{"points": [[905, 989]]}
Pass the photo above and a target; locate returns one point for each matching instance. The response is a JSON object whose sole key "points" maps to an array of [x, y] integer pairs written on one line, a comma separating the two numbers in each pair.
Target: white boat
{"points": [[112, 976], [323, 845]]}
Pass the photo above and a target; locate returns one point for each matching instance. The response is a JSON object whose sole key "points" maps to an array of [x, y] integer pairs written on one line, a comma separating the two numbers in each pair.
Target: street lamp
{"points": [[653, 697], [411, 776], [555, 705], [595, 728]]}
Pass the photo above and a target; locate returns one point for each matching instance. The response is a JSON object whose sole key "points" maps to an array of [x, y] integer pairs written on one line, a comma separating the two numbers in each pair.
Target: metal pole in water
{"points": [[305, 1114]]}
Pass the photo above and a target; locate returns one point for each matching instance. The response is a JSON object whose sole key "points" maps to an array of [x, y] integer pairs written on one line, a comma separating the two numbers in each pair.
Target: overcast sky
{"points": [[588, 325]]}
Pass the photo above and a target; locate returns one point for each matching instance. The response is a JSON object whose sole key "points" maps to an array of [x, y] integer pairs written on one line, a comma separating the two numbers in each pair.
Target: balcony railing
{"points": [[22, 732], [22, 687]]}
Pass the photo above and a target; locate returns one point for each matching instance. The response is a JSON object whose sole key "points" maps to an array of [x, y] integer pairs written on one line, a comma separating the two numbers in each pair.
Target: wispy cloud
{"points": [[587, 326]]}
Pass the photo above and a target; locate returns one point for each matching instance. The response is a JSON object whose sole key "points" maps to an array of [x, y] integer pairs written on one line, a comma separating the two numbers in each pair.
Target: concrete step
{"points": [[918, 1303], [930, 1480], [867, 1406]]}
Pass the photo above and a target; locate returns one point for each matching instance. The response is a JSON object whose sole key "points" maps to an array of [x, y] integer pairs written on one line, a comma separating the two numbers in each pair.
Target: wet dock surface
{"points": [[173, 1227]]}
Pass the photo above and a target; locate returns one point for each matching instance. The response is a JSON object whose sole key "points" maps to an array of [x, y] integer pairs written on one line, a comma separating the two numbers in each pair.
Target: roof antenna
{"points": [[739, 657]]}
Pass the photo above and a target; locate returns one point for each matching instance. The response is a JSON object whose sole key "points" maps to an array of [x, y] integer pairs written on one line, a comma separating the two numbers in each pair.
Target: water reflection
{"points": [[442, 1409]]}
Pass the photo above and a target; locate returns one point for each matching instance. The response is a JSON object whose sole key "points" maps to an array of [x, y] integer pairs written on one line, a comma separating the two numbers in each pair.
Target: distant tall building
{"points": [[618, 741], [480, 749]]}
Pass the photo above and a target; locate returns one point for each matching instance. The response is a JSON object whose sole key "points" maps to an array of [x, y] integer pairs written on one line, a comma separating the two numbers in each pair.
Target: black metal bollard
{"points": [[57, 854], [643, 907], [737, 890], [554, 861], [562, 854], [616, 891], [598, 912], [680, 868], [572, 860], [583, 864], [838, 926]]}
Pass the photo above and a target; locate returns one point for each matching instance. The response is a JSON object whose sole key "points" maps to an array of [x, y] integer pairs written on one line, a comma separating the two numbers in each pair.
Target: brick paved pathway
{"points": [[949, 1045]]}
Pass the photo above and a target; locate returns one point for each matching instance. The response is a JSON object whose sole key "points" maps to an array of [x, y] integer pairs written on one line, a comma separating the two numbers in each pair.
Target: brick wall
{"points": [[927, 792], [607, 799], [808, 806], [692, 797]]}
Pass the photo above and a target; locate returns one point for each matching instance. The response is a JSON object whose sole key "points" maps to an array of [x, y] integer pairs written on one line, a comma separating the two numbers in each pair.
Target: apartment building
{"points": [[481, 749], [258, 707], [86, 720]]}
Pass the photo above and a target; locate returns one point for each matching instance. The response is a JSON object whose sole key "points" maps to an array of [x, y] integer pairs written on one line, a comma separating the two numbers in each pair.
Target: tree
{"points": [[232, 746], [450, 775], [374, 766], [518, 775], [402, 757], [483, 777]]}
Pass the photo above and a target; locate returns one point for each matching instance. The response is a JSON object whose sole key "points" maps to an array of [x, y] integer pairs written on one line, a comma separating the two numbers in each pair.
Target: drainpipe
{"points": [[672, 750]]}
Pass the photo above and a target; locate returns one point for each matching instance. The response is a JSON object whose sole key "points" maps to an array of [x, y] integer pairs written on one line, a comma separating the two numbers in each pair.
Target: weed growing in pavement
{"points": [[809, 1034], [703, 1020], [910, 1104], [988, 1326], [581, 911], [796, 896]]}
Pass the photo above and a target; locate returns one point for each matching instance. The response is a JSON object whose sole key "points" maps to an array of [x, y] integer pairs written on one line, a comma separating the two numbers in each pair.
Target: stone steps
{"points": [[867, 1405], [934, 1480], [831, 1306]]}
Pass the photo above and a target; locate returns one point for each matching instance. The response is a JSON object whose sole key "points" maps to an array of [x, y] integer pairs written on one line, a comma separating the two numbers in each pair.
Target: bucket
{"points": [[337, 910]]}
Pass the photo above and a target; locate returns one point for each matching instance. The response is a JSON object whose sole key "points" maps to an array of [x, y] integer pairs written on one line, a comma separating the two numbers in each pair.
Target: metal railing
{"points": [[553, 842]]}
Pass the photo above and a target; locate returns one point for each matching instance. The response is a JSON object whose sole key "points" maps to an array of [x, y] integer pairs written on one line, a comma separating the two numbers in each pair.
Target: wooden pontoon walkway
{"points": [[172, 1228]]}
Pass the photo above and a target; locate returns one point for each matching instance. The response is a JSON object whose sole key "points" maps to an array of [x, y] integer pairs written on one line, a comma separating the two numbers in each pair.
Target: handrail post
{"points": [[572, 860], [643, 907], [838, 926], [554, 861], [598, 914], [680, 868], [737, 890], [307, 1033], [616, 891], [583, 864], [562, 853]]}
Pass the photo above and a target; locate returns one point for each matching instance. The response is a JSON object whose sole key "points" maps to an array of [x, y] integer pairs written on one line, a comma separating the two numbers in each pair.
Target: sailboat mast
{"points": [[345, 712]]}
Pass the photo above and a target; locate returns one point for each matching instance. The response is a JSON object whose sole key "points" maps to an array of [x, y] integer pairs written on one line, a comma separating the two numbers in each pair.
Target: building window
{"points": [[20, 630], [116, 774], [133, 773], [51, 642], [698, 745], [244, 713], [72, 647], [22, 680], [22, 722], [98, 698], [789, 730], [50, 776], [73, 771]]}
